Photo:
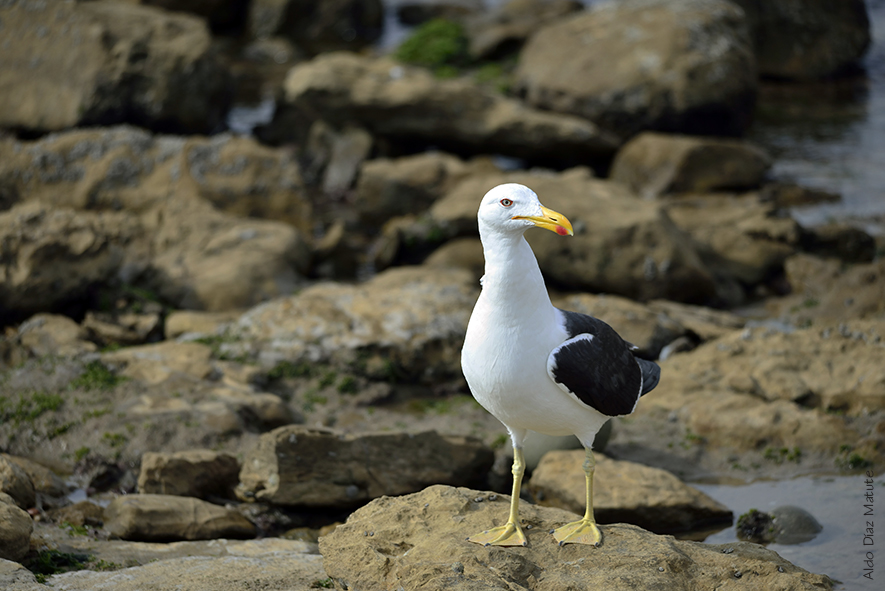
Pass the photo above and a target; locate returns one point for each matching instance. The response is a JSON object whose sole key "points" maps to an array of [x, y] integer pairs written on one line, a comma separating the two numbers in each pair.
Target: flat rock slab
{"points": [[626, 492], [159, 518], [300, 466], [419, 542], [274, 568]]}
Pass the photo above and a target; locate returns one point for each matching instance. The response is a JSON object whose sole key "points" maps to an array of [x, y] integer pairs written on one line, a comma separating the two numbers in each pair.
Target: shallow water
{"points": [[838, 504]]}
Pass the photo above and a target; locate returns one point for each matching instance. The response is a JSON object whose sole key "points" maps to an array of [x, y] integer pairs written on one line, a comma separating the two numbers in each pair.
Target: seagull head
{"points": [[513, 208]]}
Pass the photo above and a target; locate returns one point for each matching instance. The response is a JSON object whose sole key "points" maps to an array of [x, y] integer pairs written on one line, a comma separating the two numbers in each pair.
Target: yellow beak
{"points": [[550, 220]]}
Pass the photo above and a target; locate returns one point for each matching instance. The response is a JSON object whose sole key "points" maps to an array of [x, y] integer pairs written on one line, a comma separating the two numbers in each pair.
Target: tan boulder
{"points": [[126, 328], [300, 466], [15, 482], [181, 322], [53, 334], [156, 362], [411, 319], [420, 541], [623, 245], [684, 66], [108, 62], [504, 29], [747, 239], [15, 530], [43, 479], [654, 164], [410, 103], [163, 518], [200, 473], [625, 492]]}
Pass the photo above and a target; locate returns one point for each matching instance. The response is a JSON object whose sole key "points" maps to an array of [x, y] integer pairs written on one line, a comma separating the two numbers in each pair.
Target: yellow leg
{"points": [[509, 534], [585, 530]]}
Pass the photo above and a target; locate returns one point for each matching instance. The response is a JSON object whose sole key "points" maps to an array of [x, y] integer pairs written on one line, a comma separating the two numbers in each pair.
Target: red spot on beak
{"points": [[561, 231]]}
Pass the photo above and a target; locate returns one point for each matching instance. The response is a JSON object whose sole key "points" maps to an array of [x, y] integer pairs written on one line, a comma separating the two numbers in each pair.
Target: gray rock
{"points": [[807, 39], [684, 65], [15, 577], [420, 541], [163, 518], [794, 525], [300, 466]]}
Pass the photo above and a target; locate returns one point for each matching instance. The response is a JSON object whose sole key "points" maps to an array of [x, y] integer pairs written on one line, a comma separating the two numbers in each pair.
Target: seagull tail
{"points": [[651, 375]]}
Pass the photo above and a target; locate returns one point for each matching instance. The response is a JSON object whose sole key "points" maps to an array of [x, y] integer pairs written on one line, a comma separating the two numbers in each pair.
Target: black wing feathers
{"points": [[601, 371]]}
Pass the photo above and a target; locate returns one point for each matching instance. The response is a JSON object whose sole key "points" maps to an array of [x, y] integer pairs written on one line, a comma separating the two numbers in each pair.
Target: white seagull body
{"points": [[535, 367]]}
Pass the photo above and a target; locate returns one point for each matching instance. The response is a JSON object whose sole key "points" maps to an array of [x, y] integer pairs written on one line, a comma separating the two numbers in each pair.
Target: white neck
{"points": [[512, 274]]}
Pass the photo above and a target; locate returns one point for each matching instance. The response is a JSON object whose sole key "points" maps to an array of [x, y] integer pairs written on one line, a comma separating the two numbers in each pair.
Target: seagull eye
{"points": [[506, 202]]}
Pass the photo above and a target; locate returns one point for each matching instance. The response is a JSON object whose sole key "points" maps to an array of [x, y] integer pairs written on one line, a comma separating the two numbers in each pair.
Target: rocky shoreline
{"points": [[234, 360]]}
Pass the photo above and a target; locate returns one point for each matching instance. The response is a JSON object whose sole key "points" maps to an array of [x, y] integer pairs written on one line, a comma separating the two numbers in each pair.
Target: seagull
{"points": [[536, 367]]}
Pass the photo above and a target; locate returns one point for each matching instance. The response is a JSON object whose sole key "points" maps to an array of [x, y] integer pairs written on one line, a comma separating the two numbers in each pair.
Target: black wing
{"points": [[599, 367]]}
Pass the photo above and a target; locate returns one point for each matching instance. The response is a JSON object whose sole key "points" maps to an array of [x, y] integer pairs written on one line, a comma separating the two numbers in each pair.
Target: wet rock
{"points": [[223, 15], [163, 518], [625, 492], [157, 362], [222, 565], [785, 195], [683, 66], [783, 525], [15, 530], [52, 255], [52, 334], [500, 32], [840, 241], [16, 483], [197, 473], [410, 320], [44, 480], [318, 27], [133, 64], [748, 239], [419, 540], [654, 164], [409, 104], [806, 39], [301, 466], [623, 245]]}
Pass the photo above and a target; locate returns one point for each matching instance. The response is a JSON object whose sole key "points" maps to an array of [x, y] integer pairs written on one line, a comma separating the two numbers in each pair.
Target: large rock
{"points": [[15, 577], [746, 238], [15, 530], [420, 541], [52, 256], [221, 565], [124, 168], [318, 26], [497, 33], [410, 104], [826, 290], [16, 483], [761, 387], [200, 473], [95, 63], [625, 492], [43, 479], [409, 320], [157, 362], [655, 164], [806, 39], [163, 518], [301, 466], [622, 245], [684, 65]]}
